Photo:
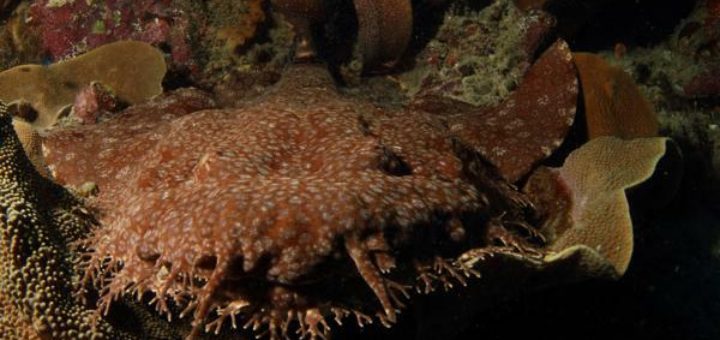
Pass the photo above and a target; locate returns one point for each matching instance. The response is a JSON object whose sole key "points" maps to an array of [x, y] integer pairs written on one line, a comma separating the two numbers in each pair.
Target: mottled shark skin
{"points": [[252, 216], [302, 206]]}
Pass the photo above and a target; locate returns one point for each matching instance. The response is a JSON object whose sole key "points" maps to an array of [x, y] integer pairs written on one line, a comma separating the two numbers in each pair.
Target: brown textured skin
{"points": [[267, 193], [256, 213], [38, 219], [216, 199], [532, 123]]}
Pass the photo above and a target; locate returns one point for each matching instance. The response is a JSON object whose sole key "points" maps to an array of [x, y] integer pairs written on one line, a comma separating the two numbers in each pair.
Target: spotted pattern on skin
{"points": [[193, 200], [201, 206], [534, 120]]}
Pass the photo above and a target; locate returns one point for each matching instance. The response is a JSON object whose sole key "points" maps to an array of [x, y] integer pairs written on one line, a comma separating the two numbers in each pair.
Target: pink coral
{"points": [[75, 26], [93, 101]]}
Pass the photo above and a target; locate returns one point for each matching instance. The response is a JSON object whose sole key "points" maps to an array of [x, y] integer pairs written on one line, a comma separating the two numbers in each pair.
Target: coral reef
{"points": [[592, 200], [133, 70], [39, 220], [191, 214], [478, 57], [68, 28], [676, 76], [699, 38], [202, 41], [686, 60], [198, 267]]}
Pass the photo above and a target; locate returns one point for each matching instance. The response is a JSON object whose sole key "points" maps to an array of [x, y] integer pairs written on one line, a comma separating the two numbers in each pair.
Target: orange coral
{"points": [[614, 105]]}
